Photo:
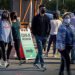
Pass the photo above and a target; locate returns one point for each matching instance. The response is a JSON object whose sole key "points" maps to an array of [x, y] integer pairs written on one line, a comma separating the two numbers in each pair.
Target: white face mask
{"points": [[67, 21]]}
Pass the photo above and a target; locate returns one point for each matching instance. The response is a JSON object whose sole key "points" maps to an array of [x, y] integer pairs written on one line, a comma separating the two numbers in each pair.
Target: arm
{"points": [[60, 40], [48, 26]]}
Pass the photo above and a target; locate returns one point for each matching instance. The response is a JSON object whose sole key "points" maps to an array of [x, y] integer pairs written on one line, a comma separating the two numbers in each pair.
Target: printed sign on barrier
{"points": [[27, 43]]}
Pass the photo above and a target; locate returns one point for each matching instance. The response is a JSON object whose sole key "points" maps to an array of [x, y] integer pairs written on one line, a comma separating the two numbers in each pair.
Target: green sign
{"points": [[27, 43]]}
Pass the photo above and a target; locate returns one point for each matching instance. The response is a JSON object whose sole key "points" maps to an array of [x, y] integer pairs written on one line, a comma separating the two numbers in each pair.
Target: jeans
{"points": [[39, 41], [52, 39], [65, 60]]}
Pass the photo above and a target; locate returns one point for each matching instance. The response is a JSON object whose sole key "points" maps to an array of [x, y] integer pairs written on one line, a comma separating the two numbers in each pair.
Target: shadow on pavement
{"points": [[22, 69]]}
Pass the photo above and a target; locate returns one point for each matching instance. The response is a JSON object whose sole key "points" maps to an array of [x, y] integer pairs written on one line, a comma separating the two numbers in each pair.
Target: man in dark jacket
{"points": [[40, 29]]}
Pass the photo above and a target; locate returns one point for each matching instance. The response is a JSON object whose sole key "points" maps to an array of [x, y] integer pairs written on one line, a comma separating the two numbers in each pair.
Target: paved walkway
{"points": [[52, 65]]}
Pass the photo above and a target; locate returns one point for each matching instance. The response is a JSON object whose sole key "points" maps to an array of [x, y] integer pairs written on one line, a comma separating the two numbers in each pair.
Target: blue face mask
{"points": [[67, 21]]}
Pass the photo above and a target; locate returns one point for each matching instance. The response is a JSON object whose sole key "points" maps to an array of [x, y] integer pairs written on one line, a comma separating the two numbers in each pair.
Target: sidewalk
{"points": [[52, 65]]}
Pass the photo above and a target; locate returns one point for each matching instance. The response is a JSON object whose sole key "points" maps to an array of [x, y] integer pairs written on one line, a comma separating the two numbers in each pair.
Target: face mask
{"points": [[15, 17], [42, 11], [67, 21]]}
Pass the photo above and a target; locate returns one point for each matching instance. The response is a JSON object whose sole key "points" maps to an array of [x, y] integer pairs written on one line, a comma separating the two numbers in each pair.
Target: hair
{"points": [[55, 15], [42, 5], [5, 15], [67, 14], [13, 15]]}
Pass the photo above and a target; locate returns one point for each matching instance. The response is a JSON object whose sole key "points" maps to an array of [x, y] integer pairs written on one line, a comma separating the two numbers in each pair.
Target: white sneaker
{"points": [[6, 64]]}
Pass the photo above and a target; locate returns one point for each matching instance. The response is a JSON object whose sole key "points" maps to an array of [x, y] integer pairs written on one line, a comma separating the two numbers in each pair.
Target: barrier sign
{"points": [[27, 43]]}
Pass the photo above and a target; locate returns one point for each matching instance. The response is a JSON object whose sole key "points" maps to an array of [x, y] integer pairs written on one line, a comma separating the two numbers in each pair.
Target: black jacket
{"points": [[41, 25]]}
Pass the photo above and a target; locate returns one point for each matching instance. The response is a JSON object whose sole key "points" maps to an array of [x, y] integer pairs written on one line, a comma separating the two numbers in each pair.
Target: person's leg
{"points": [[40, 48], [3, 50], [61, 72], [54, 45], [49, 43], [9, 50], [68, 64], [39, 42], [17, 45], [67, 60], [0, 56], [3, 46], [44, 44], [73, 55]]}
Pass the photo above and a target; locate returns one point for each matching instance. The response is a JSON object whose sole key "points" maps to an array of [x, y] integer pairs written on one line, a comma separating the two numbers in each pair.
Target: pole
{"points": [[30, 14], [57, 5]]}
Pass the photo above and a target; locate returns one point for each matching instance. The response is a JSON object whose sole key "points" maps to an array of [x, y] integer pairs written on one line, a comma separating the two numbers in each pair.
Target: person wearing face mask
{"points": [[5, 36], [15, 35], [64, 43], [40, 29]]}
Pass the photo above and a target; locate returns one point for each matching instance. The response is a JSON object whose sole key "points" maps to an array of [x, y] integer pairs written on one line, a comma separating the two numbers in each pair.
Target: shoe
{"points": [[54, 56], [43, 68], [6, 64], [46, 54], [1, 64], [61, 73], [36, 65], [21, 62]]}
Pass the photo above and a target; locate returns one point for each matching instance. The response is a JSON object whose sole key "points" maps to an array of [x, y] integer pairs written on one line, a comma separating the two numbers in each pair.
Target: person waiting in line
{"points": [[64, 43], [5, 36], [40, 29], [55, 23], [16, 35]]}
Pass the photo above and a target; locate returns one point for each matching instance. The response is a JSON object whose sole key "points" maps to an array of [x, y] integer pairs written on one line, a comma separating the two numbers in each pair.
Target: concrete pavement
{"points": [[52, 65]]}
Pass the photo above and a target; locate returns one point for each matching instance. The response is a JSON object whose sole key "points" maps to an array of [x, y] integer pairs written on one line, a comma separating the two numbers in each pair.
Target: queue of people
{"points": [[60, 32]]}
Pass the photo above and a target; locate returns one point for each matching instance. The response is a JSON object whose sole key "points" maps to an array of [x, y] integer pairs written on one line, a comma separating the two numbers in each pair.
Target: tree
{"points": [[4, 4], [68, 5]]}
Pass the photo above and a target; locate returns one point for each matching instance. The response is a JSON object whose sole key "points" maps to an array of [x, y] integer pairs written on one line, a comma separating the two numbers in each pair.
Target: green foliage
{"points": [[4, 4], [68, 5]]}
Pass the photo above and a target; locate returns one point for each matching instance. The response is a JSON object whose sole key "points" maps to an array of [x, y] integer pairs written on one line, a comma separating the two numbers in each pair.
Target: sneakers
{"points": [[43, 67], [36, 65], [6, 64]]}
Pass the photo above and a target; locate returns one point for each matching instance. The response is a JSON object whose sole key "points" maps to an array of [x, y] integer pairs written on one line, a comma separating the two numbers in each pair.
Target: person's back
{"points": [[55, 23]]}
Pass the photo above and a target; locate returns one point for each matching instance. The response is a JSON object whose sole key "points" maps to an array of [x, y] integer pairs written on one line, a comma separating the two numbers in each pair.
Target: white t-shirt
{"points": [[5, 30], [55, 23]]}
